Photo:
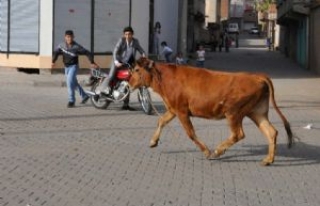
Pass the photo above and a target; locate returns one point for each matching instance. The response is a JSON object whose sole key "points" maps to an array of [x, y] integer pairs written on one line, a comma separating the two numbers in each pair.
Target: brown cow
{"points": [[188, 91]]}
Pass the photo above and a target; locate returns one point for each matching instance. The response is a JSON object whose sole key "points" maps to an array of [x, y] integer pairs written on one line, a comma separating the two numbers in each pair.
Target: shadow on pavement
{"points": [[314, 104], [300, 154]]}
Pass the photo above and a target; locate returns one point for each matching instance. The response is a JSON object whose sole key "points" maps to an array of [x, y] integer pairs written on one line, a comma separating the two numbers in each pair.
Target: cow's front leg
{"points": [[163, 120], [186, 123]]}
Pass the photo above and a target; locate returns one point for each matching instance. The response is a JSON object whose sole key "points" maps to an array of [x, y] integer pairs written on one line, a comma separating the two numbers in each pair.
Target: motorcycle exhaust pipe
{"points": [[90, 93]]}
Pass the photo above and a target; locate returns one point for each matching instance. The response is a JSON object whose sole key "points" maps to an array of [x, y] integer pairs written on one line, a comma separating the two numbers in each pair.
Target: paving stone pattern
{"points": [[54, 156]]}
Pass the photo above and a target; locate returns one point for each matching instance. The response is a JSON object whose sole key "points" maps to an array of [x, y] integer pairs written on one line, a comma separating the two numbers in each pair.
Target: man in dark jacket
{"points": [[70, 51], [123, 53]]}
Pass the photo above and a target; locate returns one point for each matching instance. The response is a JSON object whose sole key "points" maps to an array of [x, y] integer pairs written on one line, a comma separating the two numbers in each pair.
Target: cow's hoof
{"points": [[153, 144], [266, 162], [207, 154], [263, 163], [217, 154]]}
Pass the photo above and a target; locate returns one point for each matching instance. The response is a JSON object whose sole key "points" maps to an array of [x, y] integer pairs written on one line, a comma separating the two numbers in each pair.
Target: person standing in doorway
{"points": [[201, 53], [70, 50], [156, 38]]}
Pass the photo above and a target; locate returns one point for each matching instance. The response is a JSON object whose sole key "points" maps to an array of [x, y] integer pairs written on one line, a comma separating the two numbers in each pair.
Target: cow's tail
{"points": [[283, 118]]}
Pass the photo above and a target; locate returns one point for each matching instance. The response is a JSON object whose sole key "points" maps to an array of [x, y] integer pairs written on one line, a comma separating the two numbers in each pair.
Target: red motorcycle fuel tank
{"points": [[123, 74]]}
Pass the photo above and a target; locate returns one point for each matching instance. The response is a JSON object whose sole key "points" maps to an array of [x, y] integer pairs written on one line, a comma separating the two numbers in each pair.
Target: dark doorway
{"points": [[151, 23]]}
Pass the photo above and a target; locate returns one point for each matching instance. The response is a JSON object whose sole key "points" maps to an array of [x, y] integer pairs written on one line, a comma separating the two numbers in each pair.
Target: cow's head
{"points": [[142, 73]]}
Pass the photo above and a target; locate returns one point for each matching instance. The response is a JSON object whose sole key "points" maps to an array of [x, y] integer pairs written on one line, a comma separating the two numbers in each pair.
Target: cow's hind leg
{"points": [[270, 132], [186, 123], [163, 120], [236, 135]]}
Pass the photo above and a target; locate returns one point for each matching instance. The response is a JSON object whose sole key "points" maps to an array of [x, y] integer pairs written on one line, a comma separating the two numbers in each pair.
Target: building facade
{"points": [[300, 31], [31, 29]]}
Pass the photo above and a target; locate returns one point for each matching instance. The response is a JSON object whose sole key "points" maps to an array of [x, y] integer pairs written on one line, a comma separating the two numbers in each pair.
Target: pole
{"points": [[8, 27]]}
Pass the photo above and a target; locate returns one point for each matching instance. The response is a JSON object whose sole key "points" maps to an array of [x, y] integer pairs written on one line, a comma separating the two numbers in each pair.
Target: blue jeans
{"points": [[200, 63], [72, 82], [168, 56]]}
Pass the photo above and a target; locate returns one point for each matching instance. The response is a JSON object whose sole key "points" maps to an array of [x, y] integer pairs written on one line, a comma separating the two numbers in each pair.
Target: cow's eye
{"points": [[136, 70]]}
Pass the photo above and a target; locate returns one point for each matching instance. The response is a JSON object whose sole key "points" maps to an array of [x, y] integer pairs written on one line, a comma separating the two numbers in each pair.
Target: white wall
{"points": [[140, 22], [166, 12], [46, 25]]}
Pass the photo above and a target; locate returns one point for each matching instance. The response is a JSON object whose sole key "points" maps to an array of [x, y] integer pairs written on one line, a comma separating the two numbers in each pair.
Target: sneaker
{"points": [[84, 100], [70, 104], [127, 107]]}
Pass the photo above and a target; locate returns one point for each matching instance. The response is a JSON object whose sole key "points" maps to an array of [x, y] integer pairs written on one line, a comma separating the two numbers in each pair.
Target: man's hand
{"points": [[52, 64], [118, 64], [94, 66]]}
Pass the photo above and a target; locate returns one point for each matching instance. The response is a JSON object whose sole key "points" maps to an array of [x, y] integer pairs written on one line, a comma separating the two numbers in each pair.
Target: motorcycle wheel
{"points": [[99, 103], [145, 100]]}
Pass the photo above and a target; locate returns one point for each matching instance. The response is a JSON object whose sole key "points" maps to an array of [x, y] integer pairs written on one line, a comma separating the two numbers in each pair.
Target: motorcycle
{"points": [[119, 89]]}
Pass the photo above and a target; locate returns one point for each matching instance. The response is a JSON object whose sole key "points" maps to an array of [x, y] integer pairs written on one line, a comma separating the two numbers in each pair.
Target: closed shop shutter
{"points": [[3, 25], [74, 15], [24, 26], [110, 17]]}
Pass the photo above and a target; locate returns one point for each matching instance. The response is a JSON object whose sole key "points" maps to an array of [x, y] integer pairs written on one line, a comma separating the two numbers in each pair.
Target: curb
{"points": [[39, 83]]}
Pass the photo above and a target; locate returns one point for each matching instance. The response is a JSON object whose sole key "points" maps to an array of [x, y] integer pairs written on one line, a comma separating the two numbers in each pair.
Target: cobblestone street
{"points": [[51, 155]]}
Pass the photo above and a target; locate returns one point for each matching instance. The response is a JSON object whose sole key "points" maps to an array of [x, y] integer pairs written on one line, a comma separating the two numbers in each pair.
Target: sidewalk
{"points": [[11, 76]]}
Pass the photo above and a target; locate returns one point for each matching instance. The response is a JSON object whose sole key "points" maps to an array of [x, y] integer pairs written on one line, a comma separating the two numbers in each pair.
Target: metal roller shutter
{"points": [[24, 26], [74, 15], [110, 17], [3, 25]]}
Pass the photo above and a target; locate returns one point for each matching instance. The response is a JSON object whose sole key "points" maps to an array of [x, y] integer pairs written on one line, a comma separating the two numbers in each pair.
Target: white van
{"points": [[233, 28]]}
